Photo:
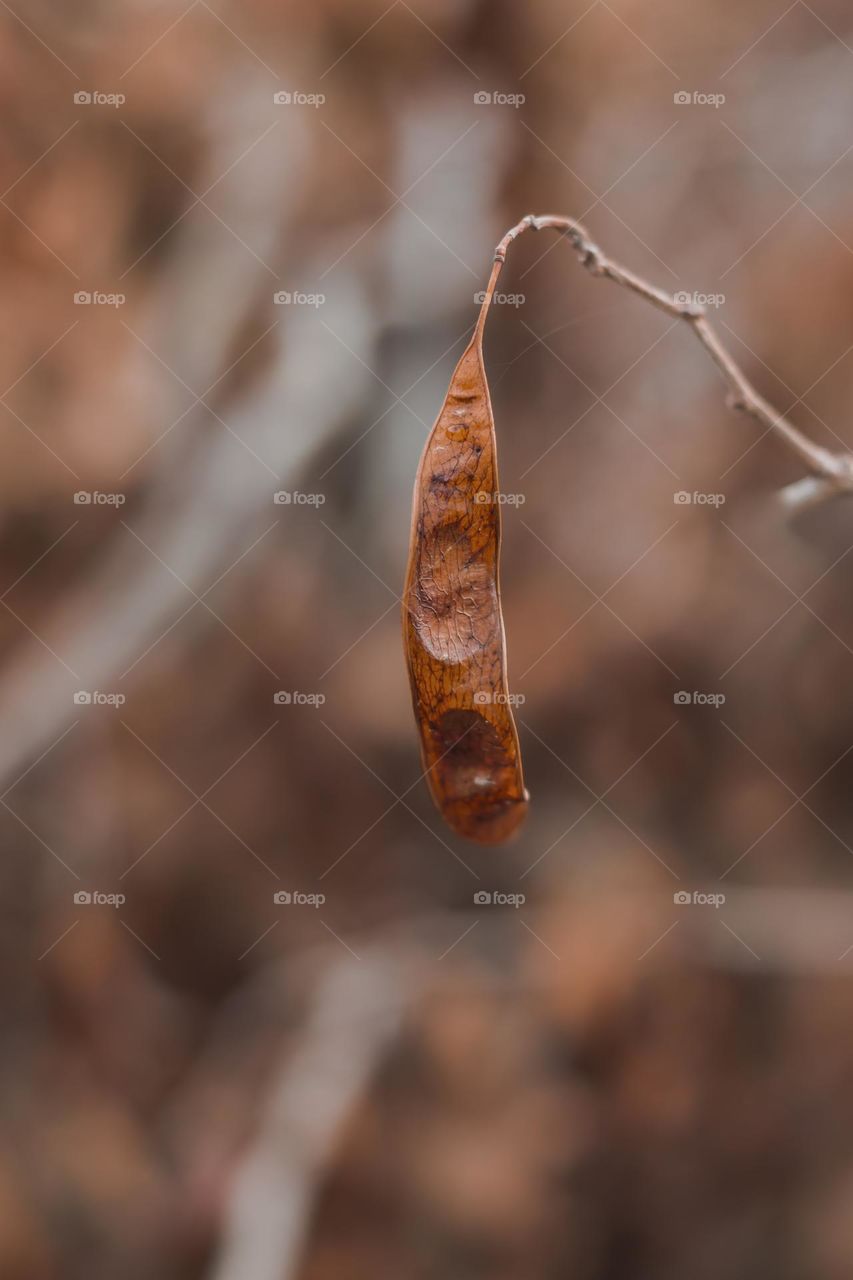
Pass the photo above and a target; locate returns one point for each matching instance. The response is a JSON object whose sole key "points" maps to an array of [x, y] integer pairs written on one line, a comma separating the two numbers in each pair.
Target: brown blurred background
{"points": [[213, 296]]}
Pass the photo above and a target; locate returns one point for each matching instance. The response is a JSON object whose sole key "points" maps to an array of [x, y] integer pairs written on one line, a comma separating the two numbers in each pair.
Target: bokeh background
{"points": [[213, 296]]}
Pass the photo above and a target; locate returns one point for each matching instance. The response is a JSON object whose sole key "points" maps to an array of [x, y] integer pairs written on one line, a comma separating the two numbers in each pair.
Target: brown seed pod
{"points": [[452, 623]]}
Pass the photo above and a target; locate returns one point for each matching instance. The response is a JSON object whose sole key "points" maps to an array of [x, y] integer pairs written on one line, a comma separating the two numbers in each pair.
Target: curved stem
{"points": [[835, 468], [497, 266]]}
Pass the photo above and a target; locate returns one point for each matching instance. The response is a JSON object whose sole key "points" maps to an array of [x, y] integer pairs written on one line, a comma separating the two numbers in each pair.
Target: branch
{"points": [[357, 1012], [198, 512], [834, 470], [357, 1009]]}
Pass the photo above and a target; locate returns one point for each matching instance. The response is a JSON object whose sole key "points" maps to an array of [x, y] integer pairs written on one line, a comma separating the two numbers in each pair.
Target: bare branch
{"points": [[356, 1013], [834, 471]]}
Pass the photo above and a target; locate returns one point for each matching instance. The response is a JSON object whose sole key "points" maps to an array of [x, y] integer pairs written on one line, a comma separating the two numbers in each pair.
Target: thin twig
{"points": [[834, 469]]}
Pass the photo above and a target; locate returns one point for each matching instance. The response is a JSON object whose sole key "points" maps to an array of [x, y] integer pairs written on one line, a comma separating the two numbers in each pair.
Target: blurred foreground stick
{"points": [[195, 517], [357, 1007], [357, 1010]]}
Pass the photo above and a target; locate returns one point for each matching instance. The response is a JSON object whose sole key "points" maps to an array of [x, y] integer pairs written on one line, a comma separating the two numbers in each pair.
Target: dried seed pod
{"points": [[452, 622]]}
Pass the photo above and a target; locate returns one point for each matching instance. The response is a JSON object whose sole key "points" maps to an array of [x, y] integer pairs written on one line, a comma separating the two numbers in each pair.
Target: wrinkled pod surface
{"points": [[452, 621]]}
